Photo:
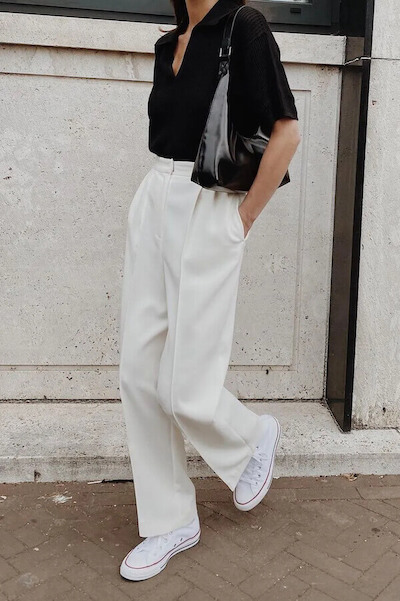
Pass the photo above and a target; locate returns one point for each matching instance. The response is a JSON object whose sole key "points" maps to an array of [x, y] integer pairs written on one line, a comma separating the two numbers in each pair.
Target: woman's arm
{"points": [[284, 140]]}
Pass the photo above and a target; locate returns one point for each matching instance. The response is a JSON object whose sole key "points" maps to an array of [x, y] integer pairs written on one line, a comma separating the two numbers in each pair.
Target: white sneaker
{"points": [[151, 556], [256, 478]]}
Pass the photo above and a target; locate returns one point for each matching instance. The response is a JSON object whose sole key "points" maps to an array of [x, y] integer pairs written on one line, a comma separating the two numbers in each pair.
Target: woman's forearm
{"points": [[274, 163]]}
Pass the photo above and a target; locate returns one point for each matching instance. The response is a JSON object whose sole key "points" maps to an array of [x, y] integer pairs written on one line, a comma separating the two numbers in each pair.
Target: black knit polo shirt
{"points": [[258, 93]]}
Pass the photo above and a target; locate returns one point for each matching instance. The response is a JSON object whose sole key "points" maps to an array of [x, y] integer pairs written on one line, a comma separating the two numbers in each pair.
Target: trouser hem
{"points": [[157, 528]]}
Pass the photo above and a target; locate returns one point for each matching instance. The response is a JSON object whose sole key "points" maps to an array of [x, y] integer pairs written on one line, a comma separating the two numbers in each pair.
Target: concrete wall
{"points": [[74, 149], [377, 374]]}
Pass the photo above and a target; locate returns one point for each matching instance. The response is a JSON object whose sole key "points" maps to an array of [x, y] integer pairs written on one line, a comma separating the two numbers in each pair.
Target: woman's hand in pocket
{"points": [[246, 220]]}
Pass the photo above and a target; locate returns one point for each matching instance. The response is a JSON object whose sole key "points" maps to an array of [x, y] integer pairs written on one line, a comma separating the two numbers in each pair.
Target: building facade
{"points": [[318, 315]]}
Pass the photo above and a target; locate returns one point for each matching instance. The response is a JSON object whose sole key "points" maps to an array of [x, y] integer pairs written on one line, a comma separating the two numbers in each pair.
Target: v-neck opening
{"points": [[174, 46], [175, 75], [201, 22]]}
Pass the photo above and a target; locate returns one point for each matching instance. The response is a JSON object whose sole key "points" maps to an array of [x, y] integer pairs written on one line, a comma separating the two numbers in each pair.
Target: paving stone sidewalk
{"points": [[311, 539]]}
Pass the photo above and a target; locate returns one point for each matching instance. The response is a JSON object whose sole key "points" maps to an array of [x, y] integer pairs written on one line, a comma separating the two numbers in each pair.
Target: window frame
{"points": [[319, 13]]}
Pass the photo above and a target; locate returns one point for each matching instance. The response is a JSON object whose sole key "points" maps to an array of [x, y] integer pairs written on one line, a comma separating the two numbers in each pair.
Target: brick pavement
{"points": [[311, 539]]}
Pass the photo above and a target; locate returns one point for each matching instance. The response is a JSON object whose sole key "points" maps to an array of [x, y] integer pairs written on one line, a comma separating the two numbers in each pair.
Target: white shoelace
{"points": [[252, 472], [158, 542]]}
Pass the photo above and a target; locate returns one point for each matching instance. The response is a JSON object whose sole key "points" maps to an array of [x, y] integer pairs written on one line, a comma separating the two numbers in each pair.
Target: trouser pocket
{"points": [[237, 201]]}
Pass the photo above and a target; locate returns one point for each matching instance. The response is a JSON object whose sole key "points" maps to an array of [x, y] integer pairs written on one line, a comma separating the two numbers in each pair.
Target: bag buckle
{"points": [[225, 54]]}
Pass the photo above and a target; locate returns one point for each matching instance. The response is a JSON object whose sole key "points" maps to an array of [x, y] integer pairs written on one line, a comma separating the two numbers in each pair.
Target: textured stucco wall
{"points": [[376, 401], [74, 149]]}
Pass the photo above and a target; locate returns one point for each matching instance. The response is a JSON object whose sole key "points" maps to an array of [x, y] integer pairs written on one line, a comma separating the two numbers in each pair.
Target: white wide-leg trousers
{"points": [[183, 254]]}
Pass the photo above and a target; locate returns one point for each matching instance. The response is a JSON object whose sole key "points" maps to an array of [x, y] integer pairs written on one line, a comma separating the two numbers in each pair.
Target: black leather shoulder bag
{"points": [[226, 160]]}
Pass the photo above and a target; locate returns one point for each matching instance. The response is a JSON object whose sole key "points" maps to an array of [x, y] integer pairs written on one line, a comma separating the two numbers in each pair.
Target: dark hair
{"points": [[181, 13]]}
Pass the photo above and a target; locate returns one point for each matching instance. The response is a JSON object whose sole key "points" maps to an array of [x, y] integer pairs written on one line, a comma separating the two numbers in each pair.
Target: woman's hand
{"points": [[285, 138]]}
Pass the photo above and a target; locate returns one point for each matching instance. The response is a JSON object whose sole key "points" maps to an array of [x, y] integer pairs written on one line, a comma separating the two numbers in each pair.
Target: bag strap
{"points": [[225, 49]]}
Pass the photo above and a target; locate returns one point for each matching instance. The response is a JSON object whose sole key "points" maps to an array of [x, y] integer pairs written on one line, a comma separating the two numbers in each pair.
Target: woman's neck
{"points": [[197, 9]]}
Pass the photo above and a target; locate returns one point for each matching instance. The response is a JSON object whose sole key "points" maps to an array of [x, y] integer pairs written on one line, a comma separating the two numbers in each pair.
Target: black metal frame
{"points": [[122, 10], [156, 7], [342, 407]]}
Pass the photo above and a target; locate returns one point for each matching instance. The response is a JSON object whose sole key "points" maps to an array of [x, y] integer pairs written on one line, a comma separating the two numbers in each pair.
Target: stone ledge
{"points": [[128, 36], [87, 441]]}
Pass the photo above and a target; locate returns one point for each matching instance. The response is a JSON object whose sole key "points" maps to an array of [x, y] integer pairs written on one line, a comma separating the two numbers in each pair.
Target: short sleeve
{"points": [[259, 82]]}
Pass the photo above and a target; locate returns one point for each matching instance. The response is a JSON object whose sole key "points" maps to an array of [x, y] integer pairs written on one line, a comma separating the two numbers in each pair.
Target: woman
{"points": [[183, 255]]}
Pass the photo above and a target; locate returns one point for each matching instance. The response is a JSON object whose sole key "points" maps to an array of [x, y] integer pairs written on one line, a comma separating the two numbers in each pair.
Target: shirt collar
{"points": [[217, 12]]}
